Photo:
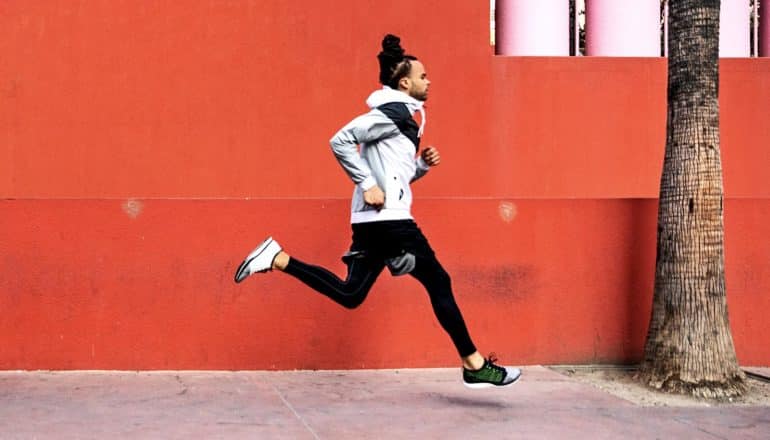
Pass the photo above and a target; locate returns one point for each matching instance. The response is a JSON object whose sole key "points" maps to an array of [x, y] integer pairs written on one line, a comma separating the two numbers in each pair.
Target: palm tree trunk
{"points": [[689, 345]]}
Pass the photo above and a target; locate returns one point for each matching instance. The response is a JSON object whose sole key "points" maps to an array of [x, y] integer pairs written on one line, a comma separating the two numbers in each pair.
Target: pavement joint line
{"points": [[296, 414], [684, 421]]}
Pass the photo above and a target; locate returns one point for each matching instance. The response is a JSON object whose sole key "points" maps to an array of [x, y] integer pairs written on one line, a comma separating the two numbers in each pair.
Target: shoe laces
{"points": [[491, 359]]}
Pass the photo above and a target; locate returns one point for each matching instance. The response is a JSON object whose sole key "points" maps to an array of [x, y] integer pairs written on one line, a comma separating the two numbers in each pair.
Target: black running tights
{"points": [[362, 273]]}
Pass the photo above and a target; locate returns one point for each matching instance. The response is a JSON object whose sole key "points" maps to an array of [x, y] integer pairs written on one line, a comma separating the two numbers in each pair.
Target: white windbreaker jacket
{"points": [[389, 139]]}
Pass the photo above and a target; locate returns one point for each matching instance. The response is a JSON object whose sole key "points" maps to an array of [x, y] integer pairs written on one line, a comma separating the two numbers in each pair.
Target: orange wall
{"points": [[144, 149]]}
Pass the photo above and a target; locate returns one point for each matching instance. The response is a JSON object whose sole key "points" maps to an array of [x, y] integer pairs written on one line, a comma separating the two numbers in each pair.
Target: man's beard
{"points": [[420, 96]]}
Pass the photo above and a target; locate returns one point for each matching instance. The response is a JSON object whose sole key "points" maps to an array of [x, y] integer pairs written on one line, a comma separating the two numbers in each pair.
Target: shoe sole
{"points": [[238, 273], [481, 385]]}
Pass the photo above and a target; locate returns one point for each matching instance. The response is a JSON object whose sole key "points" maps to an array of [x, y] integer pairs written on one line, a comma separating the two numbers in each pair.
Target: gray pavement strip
{"points": [[403, 403]]}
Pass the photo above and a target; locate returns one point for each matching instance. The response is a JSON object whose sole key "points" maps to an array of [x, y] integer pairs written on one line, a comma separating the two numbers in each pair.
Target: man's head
{"points": [[400, 71]]}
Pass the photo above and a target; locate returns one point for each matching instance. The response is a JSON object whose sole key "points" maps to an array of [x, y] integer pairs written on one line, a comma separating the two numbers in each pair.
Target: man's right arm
{"points": [[363, 129]]}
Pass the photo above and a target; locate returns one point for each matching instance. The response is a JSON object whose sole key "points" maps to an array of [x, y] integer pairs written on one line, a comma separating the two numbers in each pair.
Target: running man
{"points": [[384, 231]]}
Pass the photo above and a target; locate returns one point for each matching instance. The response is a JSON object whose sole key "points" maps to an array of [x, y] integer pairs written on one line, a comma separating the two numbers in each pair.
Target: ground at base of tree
{"points": [[619, 381]]}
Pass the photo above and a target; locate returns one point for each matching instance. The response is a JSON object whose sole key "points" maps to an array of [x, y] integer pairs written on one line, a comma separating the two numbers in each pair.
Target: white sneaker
{"points": [[259, 260]]}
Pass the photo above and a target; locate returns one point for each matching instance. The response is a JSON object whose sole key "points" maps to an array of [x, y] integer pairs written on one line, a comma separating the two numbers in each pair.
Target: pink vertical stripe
{"points": [[764, 28], [532, 27], [734, 28], [623, 28]]}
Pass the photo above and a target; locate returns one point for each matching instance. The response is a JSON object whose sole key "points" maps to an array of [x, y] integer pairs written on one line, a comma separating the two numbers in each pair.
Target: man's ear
{"points": [[404, 83]]}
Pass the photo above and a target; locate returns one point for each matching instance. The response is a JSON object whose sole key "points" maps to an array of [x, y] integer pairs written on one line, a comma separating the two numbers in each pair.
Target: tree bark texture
{"points": [[689, 345]]}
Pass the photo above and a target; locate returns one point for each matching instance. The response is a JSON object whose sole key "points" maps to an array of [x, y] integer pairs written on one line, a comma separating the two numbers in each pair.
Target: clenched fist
{"points": [[374, 197], [431, 156]]}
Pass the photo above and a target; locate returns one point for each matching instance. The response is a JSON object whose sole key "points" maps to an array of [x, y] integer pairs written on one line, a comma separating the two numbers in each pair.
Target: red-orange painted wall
{"points": [[146, 148]]}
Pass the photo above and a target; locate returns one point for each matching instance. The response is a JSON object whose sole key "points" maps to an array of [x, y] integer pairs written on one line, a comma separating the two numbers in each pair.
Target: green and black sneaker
{"points": [[490, 375]]}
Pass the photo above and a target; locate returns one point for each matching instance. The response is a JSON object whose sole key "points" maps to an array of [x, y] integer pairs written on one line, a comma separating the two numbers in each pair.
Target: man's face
{"points": [[417, 82]]}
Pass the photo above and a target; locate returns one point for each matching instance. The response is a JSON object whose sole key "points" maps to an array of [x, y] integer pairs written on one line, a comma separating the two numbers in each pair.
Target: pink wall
{"points": [[532, 27], [623, 28], [734, 29]]}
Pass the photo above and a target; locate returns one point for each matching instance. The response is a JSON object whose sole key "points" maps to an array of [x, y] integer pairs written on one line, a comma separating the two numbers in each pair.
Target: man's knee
{"points": [[351, 304], [355, 293]]}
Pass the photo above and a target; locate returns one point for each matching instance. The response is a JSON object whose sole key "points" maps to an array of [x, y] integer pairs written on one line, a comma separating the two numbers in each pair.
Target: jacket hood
{"points": [[386, 95]]}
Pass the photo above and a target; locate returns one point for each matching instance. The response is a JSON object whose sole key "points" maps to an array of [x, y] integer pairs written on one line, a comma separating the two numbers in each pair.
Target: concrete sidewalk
{"points": [[383, 404]]}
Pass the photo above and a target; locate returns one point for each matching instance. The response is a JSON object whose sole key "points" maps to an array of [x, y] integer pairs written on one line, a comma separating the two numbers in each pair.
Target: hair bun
{"points": [[392, 54], [391, 45]]}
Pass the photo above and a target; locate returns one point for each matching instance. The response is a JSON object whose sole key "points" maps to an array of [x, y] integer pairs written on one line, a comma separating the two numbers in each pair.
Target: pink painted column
{"points": [[623, 28], [532, 27], [734, 28], [764, 28]]}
